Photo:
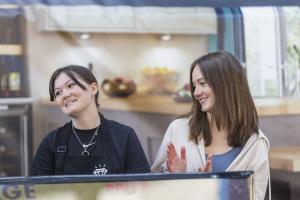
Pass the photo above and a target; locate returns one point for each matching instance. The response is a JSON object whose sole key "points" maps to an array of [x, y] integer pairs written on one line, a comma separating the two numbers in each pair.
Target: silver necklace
{"points": [[85, 152]]}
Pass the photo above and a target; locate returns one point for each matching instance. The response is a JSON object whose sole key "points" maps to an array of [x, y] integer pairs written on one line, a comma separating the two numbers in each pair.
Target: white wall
{"points": [[111, 54]]}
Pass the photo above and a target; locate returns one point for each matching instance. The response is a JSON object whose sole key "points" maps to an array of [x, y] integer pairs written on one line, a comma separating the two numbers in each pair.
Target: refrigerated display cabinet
{"points": [[15, 136], [158, 186]]}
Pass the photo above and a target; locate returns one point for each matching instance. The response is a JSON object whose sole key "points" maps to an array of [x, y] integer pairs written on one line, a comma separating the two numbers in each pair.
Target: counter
{"points": [[166, 105], [130, 186], [285, 168], [285, 158]]}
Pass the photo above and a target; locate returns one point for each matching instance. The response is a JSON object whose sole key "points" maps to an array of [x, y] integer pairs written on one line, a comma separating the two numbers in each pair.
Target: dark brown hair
{"points": [[72, 70], [233, 109]]}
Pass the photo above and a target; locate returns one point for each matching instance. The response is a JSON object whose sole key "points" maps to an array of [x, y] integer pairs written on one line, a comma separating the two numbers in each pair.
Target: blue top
{"points": [[220, 162]]}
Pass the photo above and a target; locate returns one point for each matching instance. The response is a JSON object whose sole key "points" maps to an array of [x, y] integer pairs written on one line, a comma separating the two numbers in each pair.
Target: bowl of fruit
{"points": [[183, 95], [118, 87], [158, 80]]}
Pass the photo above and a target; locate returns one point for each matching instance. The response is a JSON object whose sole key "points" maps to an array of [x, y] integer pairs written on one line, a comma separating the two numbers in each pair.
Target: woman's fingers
{"points": [[174, 162], [208, 166], [171, 154], [173, 150], [183, 153], [169, 165]]}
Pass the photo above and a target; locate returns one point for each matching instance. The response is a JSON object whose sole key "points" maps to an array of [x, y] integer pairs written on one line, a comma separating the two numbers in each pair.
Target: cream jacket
{"points": [[253, 156]]}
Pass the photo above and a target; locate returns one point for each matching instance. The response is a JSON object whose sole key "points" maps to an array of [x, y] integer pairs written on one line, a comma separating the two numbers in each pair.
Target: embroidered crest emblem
{"points": [[100, 170]]}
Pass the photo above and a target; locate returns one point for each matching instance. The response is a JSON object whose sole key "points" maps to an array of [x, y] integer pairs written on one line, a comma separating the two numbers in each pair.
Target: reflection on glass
{"points": [[292, 15]]}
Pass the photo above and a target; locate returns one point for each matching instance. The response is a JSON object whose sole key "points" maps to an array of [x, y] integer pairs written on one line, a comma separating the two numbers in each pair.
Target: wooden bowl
{"points": [[118, 88]]}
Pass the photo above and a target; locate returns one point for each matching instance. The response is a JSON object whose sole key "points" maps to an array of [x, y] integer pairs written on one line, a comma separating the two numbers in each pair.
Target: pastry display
{"points": [[158, 80]]}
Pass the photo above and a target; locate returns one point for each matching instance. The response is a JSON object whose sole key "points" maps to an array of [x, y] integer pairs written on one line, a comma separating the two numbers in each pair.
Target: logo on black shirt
{"points": [[100, 170]]}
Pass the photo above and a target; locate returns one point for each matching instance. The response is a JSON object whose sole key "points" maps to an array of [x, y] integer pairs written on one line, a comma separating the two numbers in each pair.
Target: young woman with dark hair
{"points": [[221, 131], [89, 143]]}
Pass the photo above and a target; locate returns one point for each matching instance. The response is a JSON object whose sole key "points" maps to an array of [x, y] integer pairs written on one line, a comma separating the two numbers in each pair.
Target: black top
{"points": [[117, 150]]}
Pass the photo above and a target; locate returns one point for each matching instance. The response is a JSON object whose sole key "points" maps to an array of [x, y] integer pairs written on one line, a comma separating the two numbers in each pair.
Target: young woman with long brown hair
{"points": [[221, 131]]}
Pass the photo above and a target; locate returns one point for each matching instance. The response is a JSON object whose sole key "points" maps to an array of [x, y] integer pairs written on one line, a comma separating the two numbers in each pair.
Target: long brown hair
{"points": [[233, 109]]}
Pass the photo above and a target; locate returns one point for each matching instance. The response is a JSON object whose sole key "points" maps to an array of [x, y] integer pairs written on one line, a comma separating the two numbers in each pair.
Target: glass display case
{"points": [[200, 186], [15, 136]]}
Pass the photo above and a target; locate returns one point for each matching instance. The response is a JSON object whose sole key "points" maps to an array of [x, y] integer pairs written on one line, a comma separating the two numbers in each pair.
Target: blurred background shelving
{"points": [[15, 104]]}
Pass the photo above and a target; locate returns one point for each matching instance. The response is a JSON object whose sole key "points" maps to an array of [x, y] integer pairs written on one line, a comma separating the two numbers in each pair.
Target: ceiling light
{"points": [[85, 36], [165, 37]]}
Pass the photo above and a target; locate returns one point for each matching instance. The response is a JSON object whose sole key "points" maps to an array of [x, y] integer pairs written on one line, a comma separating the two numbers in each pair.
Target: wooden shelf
{"points": [[277, 106], [11, 49], [166, 105], [285, 158], [139, 103]]}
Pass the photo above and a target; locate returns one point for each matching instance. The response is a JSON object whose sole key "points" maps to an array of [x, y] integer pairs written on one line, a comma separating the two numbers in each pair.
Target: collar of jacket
{"points": [[255, 137], [251, 142]]}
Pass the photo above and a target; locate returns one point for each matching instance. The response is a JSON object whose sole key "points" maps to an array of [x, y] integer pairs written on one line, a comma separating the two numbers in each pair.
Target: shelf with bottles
{"points": [[10, 140], [11, 49], [12, 76], [9, 147], [9, 168], [15, 137], [13, 72], [7, 135]]}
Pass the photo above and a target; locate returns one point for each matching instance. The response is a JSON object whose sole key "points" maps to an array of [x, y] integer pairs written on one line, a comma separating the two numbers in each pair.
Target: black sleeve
{"points": [[135, 159], [44, 159]]}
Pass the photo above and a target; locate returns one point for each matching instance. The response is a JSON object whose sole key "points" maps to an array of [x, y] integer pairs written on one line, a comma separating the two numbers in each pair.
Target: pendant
{"points": [[85, 153], [85, 146]]}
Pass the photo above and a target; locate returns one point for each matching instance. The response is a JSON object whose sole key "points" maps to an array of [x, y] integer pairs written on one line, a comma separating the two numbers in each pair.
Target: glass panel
{"points": [[217, 186], [261, 50], [292, 82], [10, 143]]}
